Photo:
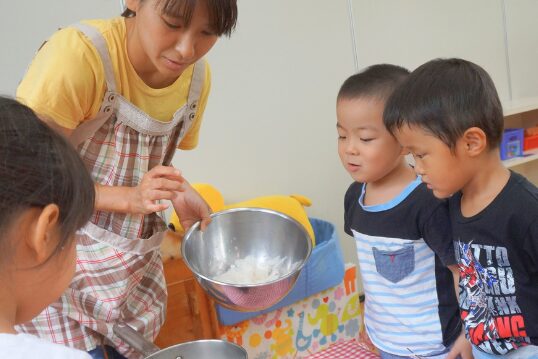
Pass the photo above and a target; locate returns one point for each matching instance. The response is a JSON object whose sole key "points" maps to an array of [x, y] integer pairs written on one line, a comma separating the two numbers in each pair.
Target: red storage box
{"points": [[530, 142]]}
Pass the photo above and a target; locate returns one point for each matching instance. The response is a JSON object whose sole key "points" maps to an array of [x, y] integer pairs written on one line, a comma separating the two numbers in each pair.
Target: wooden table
{"points": [[190, 314]]}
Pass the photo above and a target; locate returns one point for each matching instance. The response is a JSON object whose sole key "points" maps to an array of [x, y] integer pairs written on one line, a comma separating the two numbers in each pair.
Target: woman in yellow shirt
{"points": [[127, 91]]}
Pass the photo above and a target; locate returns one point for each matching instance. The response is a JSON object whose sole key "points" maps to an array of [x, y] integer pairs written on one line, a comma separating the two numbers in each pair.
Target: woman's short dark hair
{"points": [[39, 167], [446, 97], [376, 81], [222, 13]]}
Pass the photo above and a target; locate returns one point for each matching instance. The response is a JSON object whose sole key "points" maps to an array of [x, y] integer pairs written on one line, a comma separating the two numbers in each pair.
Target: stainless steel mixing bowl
{"points": [[240, 232]]}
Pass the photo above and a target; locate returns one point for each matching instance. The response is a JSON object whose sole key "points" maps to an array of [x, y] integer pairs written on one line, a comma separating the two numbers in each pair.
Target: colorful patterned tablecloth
{"points": [[305, 327], [350, 349]]}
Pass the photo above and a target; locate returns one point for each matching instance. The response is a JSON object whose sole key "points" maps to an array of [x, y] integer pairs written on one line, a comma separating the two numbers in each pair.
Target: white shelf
{"points": [[519, 106], [528, 156]]}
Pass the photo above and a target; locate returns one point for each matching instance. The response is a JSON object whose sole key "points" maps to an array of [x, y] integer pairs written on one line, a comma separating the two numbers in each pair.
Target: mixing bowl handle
{"points": [[135, 339]]}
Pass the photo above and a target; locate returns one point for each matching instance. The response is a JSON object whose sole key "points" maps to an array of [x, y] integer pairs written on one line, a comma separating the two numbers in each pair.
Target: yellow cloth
{"points": [[292, 205], [66, 81]]}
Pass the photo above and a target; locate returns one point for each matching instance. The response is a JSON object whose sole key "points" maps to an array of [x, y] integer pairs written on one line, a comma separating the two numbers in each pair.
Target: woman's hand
{"points": [[190, 207], [160, 183]]}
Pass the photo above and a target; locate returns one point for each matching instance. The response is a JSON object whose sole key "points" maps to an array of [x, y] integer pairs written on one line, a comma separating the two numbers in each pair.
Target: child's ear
{"points": [[42, 240], [473, 142]]}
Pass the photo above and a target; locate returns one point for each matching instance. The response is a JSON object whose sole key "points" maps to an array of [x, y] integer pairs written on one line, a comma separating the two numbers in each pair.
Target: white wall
{"points": [[415, 31], [25, 24], [522, 35]]}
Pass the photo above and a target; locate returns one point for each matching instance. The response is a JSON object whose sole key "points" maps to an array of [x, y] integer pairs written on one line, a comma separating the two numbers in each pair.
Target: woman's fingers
{"points": [[165, 184], [165, 171], [205, 222], [157, 195], [152, 207]]}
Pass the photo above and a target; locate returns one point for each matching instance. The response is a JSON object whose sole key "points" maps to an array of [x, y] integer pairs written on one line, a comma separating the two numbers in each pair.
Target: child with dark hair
{"points": [[46, 195], [448, 114], [127, 91], [401, 230]]}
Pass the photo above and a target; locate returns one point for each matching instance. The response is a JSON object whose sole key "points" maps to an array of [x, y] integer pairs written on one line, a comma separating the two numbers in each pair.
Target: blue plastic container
{"points": [[324, 269], [512, 143]]}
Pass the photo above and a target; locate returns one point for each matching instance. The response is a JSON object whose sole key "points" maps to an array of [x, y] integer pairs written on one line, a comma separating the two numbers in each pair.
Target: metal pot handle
{"points": [[135, 339]]}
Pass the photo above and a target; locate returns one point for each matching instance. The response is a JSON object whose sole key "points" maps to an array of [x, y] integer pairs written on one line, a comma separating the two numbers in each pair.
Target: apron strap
{"points": [[86, 129], [89, 127], [195, 90], [197, 82], [100, 45]]}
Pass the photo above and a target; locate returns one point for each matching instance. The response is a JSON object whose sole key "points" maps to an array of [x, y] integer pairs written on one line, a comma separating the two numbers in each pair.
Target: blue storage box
{"points": [[512, 143], [324, 269]]}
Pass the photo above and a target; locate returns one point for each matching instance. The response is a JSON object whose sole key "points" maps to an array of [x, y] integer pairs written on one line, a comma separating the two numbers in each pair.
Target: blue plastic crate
{"points": [[512, 143], [324, 269]]}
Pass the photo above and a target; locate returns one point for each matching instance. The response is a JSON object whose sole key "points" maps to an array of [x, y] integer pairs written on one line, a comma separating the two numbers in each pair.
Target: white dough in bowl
{"points": [[250, 270]]}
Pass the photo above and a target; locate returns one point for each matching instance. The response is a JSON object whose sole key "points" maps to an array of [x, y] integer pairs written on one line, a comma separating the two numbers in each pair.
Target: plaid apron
{"points": [[119, 276]]}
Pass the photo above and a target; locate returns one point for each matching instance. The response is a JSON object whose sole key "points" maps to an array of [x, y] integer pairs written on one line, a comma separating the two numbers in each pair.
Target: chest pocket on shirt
{"points": [[395, 265]]}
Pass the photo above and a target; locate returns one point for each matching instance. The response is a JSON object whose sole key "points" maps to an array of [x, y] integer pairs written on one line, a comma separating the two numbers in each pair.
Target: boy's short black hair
{"points": [[446, 97], [376, 81]]}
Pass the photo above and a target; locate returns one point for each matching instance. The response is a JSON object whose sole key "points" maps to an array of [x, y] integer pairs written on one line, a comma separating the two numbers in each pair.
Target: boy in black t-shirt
{"points": [[448, 114]]}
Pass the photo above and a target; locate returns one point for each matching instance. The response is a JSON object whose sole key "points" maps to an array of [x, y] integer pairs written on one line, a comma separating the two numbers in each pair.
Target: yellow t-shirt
{"points": [[66, 81]]}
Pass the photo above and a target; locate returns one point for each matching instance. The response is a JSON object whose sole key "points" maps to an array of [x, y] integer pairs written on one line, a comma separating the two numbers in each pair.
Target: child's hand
{"points": [[461, 349], [365, 339], [161, 182], [191, 207]]}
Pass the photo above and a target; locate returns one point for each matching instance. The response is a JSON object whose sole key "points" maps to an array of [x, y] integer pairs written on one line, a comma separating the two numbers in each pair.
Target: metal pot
{"points": [[199, 349]]}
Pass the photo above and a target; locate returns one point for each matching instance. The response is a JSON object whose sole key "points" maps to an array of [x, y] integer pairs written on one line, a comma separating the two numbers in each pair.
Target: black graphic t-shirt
{"points": [[497, 251]]}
